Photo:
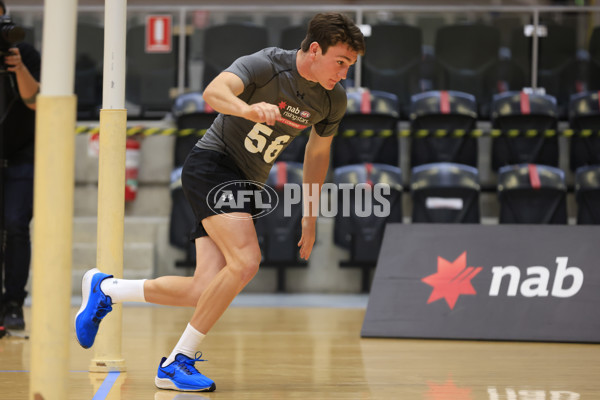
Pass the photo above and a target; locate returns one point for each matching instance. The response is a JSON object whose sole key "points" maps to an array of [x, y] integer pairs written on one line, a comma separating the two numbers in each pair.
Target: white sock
{"points": [[121, 290], [188, 344]]}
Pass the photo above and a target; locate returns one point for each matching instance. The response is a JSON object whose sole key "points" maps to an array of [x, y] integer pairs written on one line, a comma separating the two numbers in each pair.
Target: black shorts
{"points": [[203, 171]]}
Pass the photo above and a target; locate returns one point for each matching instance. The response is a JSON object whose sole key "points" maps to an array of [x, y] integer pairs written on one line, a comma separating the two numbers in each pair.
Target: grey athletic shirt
{"points": [[270, 75]]}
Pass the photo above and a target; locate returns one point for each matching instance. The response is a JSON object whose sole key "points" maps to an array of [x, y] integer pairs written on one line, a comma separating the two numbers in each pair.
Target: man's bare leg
{"points": [[236, 238], [186, 290], [238, 241]]}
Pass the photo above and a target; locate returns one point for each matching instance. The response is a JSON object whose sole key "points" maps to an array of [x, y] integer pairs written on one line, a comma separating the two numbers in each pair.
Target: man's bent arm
{"points": [[221, 94]]}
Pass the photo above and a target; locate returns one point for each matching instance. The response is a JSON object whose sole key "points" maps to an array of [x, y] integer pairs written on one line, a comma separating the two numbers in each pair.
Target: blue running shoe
{"points": [[182, 375], [94, 306]]}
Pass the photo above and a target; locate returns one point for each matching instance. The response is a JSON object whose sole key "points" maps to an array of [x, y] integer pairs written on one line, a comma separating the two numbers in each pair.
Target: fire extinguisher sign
{"points": [[158, 33]]}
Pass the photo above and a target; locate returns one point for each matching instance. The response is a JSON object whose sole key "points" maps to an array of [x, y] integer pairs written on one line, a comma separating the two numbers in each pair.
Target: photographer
{"points": [[20, 74]]}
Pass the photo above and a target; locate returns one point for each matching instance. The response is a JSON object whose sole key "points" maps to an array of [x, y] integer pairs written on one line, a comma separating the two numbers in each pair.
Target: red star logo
{"points": [[282, 104], [451, 280], [447, 391]]}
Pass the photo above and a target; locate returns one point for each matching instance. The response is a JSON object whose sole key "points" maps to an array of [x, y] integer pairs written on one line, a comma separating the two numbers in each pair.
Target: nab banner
{"points": [[494, 282]]}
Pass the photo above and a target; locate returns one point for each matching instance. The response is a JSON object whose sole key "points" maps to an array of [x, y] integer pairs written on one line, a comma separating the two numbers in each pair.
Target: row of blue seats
{"points": [[449, 180], [526, 122]]}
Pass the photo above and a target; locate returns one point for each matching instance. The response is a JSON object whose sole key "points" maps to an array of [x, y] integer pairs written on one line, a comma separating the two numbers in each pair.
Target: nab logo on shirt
{"points": [[453, 279]]}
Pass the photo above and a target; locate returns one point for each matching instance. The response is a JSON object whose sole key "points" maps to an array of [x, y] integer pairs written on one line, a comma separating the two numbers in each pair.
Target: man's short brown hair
{"points": [[329, 29]]}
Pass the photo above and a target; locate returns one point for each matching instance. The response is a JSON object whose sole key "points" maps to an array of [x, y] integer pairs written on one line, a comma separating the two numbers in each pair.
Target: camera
{"points": [[9, 34]]}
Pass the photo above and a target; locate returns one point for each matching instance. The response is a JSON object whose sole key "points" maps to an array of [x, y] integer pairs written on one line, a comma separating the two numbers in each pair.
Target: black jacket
{"points": [[18, 129]]}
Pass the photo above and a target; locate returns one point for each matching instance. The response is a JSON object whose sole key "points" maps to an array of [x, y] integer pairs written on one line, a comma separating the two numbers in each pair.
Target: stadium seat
{"points": [[556, 59], [441, 122], [359, 224], [445, 193], [392, 62], [522, 121], [467, 52], [587, 194], [504, 76], [225, 43], [532, 194], [368, 131], [584, 119], [557, 55]]}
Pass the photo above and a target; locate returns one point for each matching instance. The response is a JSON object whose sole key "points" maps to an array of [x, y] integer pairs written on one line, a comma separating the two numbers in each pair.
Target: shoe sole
{"points": [[165, 383], [85, 294]]}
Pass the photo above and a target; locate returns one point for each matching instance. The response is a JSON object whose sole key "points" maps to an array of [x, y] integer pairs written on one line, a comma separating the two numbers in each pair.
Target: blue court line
{"points": [[103, 390], [26, 370], [107, 384]]}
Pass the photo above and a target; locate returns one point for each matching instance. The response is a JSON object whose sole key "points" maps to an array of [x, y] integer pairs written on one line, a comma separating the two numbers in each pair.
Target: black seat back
{"points": [[587, 194], [523, 112], [556, 58], [445, 193], [532, 194], [584, 118], [467, 52], [440, 114], [393, 61], [368, 131]]}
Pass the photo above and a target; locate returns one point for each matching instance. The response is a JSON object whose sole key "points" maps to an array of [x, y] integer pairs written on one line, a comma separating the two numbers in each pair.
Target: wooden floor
{"points": [[317, 353]]}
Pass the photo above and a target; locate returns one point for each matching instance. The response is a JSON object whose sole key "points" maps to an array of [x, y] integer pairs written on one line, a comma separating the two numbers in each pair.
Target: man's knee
{"points": [[192, 296], [245, 265]]}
